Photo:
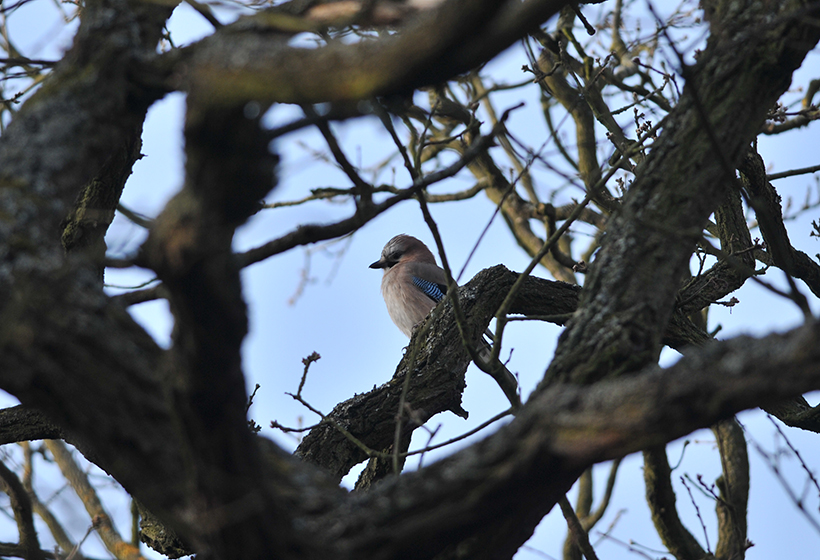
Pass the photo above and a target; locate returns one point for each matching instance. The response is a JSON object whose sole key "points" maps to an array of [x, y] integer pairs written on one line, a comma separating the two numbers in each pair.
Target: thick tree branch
{"points": [[726, 275], [146, 415], [766, 203], [438, 364], [229, 168], [55, 320], [558, 435], [19, 423], [524, 466], [433, 47], [796, 413], [629, 295], [733, 485]]}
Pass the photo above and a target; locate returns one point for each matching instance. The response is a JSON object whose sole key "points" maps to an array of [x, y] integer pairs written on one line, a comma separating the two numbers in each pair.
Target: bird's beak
{"points": [[381, 263]]}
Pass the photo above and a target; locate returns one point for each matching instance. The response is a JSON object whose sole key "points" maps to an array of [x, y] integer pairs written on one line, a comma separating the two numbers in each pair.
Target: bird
{"points": [[413, 284]]}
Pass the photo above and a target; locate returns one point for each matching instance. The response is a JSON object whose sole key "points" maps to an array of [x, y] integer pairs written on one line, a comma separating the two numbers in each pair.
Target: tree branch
{"points": [[452, 39], [628, 298], [766, 203], [437, 380], [21, 506], [733, 485], [525, 465], [19, 423], [661, 500], [102, 522]]}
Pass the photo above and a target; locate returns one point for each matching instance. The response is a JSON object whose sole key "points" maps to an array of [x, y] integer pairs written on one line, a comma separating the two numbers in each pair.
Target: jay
{"points": [[413, 284]]}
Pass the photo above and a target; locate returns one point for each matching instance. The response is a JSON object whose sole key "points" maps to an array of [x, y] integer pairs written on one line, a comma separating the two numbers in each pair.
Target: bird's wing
{"points": [[430, 279]]}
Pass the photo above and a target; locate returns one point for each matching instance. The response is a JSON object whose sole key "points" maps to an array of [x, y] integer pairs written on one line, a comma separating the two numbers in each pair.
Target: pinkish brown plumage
{"points": [[407, 263], [413, 284]]}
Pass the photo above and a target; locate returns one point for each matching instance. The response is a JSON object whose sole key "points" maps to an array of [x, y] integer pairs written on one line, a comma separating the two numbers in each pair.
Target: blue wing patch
{"points": [[431, 289]]}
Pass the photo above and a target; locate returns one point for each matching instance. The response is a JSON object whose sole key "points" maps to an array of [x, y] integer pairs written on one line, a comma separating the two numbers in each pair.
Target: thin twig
{"points": [[589, 522], [783, 482], [465, 435], [363, 188], [23, 61], [697, 511], [501, 314], [578, 533], [205, 11], [793, 172], [135, 217], [796, 453]]}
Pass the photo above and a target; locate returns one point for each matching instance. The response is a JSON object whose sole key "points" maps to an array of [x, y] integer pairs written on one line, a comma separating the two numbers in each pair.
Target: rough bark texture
{"points": [[630, 293], [766, 203], [433, 47], [437, 362], [170, 425]]}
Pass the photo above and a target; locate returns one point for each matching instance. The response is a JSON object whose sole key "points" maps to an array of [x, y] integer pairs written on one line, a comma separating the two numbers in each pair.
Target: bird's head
{"points": [[403, 248]]}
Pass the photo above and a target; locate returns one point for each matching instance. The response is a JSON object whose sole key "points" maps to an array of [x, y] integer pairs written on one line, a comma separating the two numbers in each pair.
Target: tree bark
{"points": [[169, 425]]}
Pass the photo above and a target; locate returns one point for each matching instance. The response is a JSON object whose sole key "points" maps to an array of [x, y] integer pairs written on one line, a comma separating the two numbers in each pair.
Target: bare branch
{"points": [[579, 535], [116, 545], [734, 490], [766, 203], [21, 505], [793, 172], [661, 499]]}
